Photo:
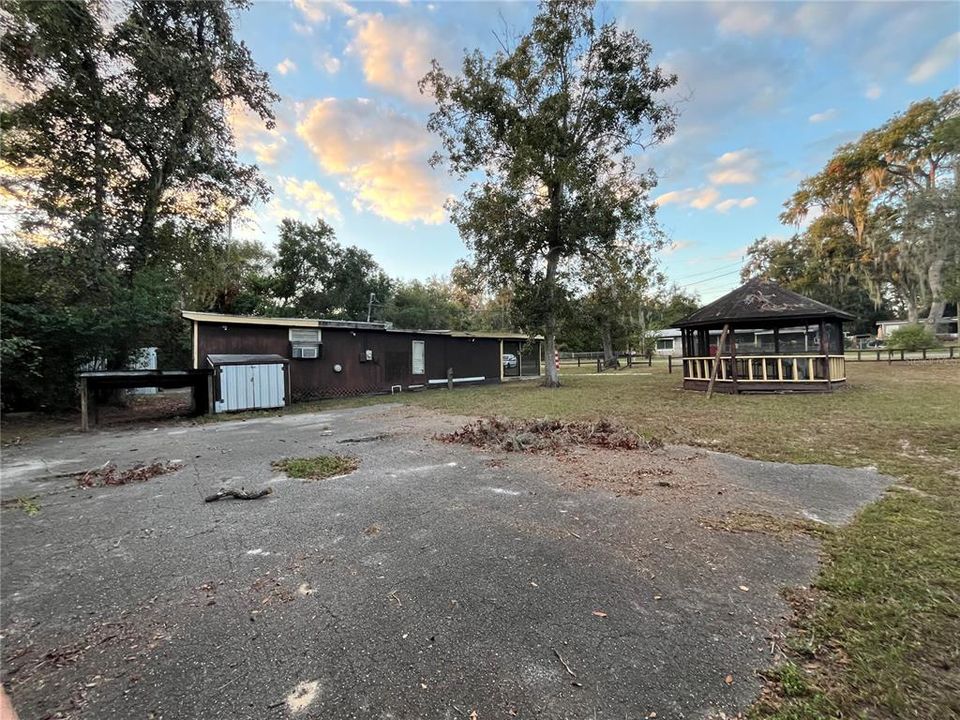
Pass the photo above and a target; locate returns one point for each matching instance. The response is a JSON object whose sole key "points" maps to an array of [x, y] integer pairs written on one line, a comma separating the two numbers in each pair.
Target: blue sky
{"points": [[766, 91]]}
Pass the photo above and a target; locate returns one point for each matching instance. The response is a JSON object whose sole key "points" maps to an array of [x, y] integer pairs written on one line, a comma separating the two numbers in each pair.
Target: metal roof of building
{"points": [[343, 324], [761, 301]]}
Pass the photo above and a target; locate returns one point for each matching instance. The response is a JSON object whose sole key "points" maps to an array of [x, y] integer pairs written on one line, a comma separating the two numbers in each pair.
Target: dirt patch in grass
{"points": [[553, 436], [741, 521], [110, 474], [317, 468]]}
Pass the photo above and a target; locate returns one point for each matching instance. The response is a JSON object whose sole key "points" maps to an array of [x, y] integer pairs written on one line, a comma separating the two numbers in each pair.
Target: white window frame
{"points": [[421, 367]]}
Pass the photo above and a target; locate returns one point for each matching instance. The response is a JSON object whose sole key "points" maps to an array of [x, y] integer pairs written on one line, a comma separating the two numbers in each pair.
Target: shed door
{"points": [[250, 387]]}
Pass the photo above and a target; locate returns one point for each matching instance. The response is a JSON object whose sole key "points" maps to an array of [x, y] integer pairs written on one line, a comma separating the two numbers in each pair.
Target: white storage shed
{"points": [[249, 382]]}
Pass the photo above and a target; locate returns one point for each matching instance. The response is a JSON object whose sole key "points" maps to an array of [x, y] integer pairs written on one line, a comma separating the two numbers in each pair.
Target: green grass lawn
{"points": [[882, 637]]}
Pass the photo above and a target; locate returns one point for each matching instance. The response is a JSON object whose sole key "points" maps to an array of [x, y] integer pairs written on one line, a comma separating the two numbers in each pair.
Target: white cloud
{"points": [[743, 18], [702, 198], [379, 155], [302, 29], [395, 52], [699, 198], [944, 55], [676, 246], [317, 11], [823, 116], [327, 62], [286, 66], [251, 133], [873, 91], [308, 195], [738, 167], [731, 203]]}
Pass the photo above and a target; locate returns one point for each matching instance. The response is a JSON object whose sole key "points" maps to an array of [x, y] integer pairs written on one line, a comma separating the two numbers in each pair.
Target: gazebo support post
{"points": [[733, 362], [825, 351], [716, 360], [84, 406]]}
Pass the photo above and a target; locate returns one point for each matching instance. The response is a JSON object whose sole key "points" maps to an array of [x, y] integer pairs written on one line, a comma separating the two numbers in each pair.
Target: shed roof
{"points": [[243, 359], [761, 301]]}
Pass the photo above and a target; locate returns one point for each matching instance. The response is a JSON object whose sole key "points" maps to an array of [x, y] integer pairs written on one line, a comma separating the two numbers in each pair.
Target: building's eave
{"points": [[220, 318], [249, 320]]}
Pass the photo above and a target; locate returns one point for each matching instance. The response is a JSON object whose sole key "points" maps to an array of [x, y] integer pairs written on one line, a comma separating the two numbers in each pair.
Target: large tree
{"points": [[821, 263], [616, 282], [314, 275], [123, 125], [119, 156], [550, 121], [884, 197]]}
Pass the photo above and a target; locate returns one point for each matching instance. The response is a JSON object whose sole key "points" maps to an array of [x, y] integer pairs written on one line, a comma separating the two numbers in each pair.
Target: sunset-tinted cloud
{"points": [[379, 155]]}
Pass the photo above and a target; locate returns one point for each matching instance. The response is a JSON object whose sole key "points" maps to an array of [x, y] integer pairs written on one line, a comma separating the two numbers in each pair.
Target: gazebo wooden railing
{"points": [[768, 368]]}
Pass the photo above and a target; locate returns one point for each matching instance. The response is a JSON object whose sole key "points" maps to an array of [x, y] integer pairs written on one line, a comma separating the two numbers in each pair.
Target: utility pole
{"points": [[370, 306]]}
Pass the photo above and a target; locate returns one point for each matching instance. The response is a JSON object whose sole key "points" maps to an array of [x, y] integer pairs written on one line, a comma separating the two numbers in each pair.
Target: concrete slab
{"points": [[433, 582]]}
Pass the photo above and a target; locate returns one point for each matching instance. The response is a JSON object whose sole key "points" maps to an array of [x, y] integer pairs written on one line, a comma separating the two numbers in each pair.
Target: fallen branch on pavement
{"points": [[240, 494]]}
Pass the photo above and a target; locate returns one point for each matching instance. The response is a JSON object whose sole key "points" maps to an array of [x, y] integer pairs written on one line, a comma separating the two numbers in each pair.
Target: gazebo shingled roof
{"points": [[763, 302]]}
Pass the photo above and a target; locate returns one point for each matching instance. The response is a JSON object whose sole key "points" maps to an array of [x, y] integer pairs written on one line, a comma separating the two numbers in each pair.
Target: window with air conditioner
{"points": [[304, 343], [306, 352]]}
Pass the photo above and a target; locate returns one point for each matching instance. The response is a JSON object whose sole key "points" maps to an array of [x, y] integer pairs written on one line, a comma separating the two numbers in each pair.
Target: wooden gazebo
{"points": [[763, 338]]}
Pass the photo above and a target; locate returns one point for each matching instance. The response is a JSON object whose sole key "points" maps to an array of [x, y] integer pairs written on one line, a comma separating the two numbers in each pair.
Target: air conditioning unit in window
{"points": [[306, 352]]}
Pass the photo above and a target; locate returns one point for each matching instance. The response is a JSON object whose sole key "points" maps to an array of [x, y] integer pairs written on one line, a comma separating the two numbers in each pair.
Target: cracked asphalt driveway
{"points": [[435, 581]]}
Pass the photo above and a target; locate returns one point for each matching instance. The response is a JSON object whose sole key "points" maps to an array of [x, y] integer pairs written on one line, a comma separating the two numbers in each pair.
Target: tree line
{"points": [[122, 166], [121, 163]]}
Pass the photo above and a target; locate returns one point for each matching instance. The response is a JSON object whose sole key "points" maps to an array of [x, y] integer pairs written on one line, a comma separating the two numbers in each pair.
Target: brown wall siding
{"points": [[391, 365]]}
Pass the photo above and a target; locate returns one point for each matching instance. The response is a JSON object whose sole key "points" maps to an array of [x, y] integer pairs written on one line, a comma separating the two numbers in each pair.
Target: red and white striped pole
{"points": [[556, 359]]}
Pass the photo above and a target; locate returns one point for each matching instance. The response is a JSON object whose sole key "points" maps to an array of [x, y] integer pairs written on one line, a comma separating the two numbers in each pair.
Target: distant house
{"points": [[667, 342], [946, 329], [308, 358]]}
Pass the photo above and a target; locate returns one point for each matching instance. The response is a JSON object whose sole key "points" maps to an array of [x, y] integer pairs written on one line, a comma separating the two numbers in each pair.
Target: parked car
{"points": [[509, 361]]}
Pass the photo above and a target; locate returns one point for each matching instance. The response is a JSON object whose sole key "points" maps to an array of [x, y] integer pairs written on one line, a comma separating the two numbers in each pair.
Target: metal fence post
{"points": [[669, 364]]}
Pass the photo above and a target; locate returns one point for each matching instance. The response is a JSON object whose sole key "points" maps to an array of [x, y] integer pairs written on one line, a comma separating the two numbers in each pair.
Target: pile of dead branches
{"points": [[546, 435], [110, 474]]}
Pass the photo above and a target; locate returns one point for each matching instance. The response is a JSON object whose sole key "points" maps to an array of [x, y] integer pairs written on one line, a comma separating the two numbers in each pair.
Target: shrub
{"points": [[912, 337]]}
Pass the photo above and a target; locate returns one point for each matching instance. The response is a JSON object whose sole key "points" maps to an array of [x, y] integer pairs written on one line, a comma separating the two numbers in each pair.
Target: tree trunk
{"points": [[551, 376], [937, 303], [606, 339], [913, 316]]}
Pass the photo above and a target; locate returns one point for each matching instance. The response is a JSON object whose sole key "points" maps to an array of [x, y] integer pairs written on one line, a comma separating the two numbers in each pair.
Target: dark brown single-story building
{"points": [[336, 358]]}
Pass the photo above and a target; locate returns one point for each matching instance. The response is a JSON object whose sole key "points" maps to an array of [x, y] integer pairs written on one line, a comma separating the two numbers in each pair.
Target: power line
{"points": [[709, 279], [738, 263]]}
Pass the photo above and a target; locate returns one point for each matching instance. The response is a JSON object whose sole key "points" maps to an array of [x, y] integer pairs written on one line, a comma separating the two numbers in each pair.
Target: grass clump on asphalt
{"points": [[30, 506], [317, 468]]}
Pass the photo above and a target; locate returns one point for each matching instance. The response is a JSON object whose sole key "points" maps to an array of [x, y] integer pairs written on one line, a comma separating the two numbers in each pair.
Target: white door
{"points": [[250, 387]]}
